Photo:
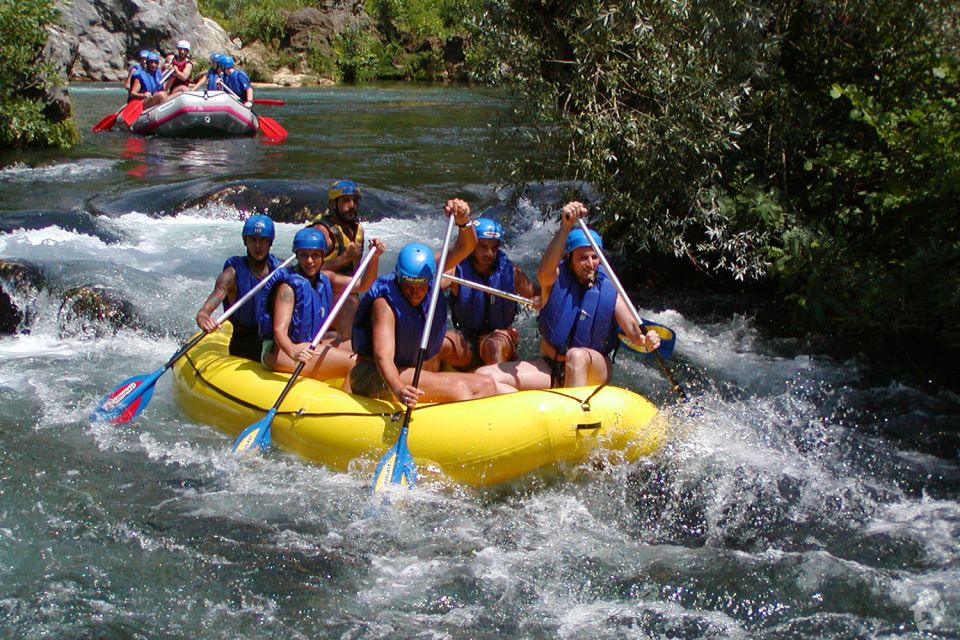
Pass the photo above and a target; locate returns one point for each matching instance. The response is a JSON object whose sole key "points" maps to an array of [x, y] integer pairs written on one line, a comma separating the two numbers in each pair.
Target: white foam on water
{"points": [[72, 171]]}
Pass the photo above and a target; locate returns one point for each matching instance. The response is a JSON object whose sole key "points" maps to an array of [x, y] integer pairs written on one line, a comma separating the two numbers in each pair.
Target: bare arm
{"points": [[136, 92], [186, 73], [340, 281], [225, 288], [384, 350], [282, 314], [625, 318], [466, 238], [547, 273], [524, 286]]}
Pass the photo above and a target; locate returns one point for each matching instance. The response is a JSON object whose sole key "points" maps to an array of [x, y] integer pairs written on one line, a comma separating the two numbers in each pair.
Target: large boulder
{"points": [[106, 34]]}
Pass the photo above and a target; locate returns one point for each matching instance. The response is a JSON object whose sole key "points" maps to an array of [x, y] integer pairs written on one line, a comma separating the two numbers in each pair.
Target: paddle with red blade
{"points": [[129, 112], [268, 126], [106, 123], [257, 435], [132, 395], [270, 102]]}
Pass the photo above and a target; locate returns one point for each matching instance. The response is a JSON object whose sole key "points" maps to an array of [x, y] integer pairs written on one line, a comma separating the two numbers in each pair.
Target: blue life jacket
{"points": [[245, 318], [151, 82], [238, 81], [310, 306], [212, 80], [409, 323], [575, 316], [477, 312]]}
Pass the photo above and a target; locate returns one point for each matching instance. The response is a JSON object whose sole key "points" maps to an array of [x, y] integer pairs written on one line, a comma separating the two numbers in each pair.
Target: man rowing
{"points": [[579, 317], [391, 319], [241, 274], [341, 228], [484, 331]]}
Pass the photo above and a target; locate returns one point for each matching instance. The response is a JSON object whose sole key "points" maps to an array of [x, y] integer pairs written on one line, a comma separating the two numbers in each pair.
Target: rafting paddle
{"points": [[396, 466], [496, 292], [129, 112], [106, 123], [270, 127], [668, 338], [257, 435], [633, 310], [269, 102], [132, 395]]}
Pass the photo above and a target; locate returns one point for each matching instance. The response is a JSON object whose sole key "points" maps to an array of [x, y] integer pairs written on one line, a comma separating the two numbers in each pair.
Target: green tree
{"points": [[793, 140], [24, 80]]}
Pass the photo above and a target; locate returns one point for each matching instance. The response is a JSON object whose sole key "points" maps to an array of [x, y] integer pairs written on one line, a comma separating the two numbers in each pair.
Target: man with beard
{"points": [[484, 333], [241, 274], [579, 318], [390, 323], [341, 229]]}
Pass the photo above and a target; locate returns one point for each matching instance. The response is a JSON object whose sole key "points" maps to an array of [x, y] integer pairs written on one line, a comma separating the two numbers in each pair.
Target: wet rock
{"points": [[106, 34], [89, 312], [283, 201], [20, 282]]}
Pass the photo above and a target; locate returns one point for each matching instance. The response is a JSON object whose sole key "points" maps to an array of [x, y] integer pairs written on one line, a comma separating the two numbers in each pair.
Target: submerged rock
{"points": [[90, 311], [20, 282]]}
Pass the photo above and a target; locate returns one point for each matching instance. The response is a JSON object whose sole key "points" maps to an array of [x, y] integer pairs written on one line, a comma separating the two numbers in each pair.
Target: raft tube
{"points": [[197, 114], [476, 442]]}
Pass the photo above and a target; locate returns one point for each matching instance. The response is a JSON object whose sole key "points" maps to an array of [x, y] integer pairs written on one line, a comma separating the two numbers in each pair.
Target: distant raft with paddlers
{"points": [[475, 442], [198, 114]]}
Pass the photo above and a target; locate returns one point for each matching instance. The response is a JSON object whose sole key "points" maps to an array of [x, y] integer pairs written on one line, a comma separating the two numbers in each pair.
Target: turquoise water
{"points": [[797, 498]]}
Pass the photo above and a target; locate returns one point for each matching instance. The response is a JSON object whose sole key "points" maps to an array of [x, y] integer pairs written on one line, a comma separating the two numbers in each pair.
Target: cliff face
{"points": [[96, 38]]}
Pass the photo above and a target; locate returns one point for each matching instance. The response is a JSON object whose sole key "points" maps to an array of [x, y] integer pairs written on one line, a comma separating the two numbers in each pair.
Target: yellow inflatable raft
{"points": [[475, 442]]}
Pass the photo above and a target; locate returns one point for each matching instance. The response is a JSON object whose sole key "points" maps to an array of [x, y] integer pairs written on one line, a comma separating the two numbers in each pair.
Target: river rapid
{"points": [[798, 497]]}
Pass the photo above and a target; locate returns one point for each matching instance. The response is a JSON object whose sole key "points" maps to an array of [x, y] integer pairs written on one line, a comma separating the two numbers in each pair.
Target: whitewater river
{"points": [[799, 496]]}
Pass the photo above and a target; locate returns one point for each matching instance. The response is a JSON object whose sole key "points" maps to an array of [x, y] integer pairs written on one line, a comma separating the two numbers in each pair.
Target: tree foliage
{"points": [[812, 142], [24, 80]]}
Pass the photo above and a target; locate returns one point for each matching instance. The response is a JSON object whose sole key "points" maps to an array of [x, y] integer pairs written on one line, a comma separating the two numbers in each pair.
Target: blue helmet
{"points": [[227, 62], [309, 238], [415, 264], [576, 238], [343, 188], [216, 58], [143, 53], [259, 225], [488, 229], [153, 56]]}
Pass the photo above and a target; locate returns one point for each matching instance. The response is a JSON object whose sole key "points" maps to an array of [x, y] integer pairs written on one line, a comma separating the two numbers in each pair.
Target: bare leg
{"points": [[344, 322], [499, 346], [329, 361], [456, 350], [449, 387], [519, 374], [586, 367]]}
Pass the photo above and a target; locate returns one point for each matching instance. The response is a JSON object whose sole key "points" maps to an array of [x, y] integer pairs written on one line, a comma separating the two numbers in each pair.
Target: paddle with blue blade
{"points": [[396, 466], [132, 395], [668, 340], [636, 316], [667, 336], [257, 435]]}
